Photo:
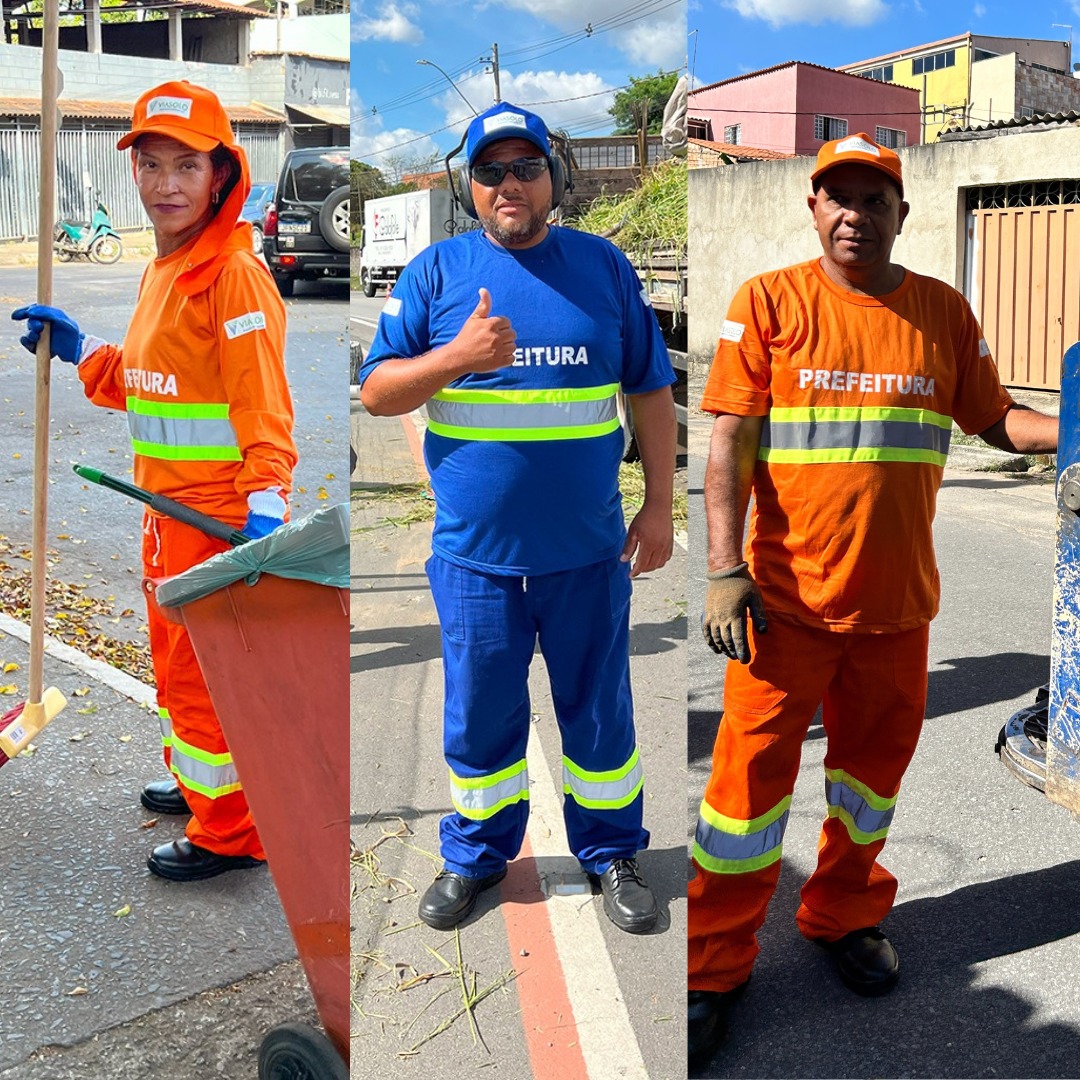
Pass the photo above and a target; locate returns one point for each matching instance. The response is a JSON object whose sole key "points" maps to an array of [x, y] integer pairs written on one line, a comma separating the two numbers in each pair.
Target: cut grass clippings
{"points": [[416, 503], [632, 486]]}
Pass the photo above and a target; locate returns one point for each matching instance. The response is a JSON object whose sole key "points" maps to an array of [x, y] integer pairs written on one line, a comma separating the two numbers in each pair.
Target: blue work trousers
{"points": [[491, 625]]}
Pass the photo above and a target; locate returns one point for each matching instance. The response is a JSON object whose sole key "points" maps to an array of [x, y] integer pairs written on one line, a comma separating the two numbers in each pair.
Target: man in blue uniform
{"points": [[518, 338]]}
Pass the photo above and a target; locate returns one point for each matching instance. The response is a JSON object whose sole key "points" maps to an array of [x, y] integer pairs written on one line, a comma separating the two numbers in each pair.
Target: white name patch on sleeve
{"points": [[245, 324], [392, 306], [731, 331]]}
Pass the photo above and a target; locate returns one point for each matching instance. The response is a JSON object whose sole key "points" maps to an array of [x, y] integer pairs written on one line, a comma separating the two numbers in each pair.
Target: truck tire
{"points": [[366, 283], [285, 284], [334, 218]]}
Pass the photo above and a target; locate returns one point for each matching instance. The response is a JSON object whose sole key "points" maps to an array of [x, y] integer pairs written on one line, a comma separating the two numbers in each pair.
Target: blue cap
{"points": [[504, 121]]}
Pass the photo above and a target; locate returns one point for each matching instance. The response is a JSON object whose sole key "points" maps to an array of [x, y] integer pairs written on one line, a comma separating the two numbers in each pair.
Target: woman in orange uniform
{"points": [[201, 376]]}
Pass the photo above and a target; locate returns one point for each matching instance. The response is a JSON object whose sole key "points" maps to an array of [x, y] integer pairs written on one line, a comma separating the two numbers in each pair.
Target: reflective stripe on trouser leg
{"points": [[872, 714], [583, 619], [200, 760], [768, 706], [487, 642]]}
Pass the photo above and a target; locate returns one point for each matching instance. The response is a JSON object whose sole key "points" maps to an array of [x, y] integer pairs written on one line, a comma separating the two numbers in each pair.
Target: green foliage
{"points": [[654, 89]]}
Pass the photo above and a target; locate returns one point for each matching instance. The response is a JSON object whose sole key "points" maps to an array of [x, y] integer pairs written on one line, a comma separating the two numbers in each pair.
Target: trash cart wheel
{"points": [[299, 1052]]}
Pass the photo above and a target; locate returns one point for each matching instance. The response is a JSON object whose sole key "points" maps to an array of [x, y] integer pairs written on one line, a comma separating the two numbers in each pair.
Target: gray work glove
{"points": [[727, 596]]}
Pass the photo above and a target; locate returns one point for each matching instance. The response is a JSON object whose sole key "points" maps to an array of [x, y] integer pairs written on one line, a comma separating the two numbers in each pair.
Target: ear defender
{"points": [[461, 185]]}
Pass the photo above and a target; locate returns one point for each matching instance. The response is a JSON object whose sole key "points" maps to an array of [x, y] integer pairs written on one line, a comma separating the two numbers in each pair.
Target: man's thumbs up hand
{"points": [[486, 342]]}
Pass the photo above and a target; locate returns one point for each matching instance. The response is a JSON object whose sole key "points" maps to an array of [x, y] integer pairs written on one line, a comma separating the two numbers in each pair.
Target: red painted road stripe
{"points": [[546, 1015], [415, 446]]}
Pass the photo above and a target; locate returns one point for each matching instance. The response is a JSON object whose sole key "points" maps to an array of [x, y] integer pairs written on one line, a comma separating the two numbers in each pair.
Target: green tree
{"points": [[627, 107]]}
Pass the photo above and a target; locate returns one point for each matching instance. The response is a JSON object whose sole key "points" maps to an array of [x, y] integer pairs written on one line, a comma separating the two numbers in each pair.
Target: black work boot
{"points": [[866, 961], [450, 897], [628, 901], [706, 1023], [164, 797]]}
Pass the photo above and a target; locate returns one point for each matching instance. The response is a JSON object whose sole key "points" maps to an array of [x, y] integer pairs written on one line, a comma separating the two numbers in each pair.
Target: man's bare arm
{"points": [[651, 532], [1023, 431]]}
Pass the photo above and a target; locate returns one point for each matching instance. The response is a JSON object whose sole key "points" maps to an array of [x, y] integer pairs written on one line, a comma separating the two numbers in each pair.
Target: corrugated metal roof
{"points": [[742, 153], [335, 115], [121, 110], [1041, 122]]}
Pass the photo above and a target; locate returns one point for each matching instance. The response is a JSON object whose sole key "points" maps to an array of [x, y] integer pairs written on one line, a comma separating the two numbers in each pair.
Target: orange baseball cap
{"points": [[859, 149], [183, 111]]}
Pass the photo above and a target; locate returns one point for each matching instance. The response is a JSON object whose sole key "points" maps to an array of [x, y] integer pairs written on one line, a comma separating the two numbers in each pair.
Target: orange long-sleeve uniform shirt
{"points": [[202, 380], [860, 393]]}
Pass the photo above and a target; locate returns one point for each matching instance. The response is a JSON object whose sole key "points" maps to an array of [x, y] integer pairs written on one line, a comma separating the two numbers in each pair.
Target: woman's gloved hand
{"points": [[65, 338], [266, 512]]}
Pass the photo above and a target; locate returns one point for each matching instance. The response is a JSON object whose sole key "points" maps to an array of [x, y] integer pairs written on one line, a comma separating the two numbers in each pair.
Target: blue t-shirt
{"points": [[582, 320]]}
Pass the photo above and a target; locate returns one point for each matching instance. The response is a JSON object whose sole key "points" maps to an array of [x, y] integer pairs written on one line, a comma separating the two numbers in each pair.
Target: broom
{"points": [[21, 724]]}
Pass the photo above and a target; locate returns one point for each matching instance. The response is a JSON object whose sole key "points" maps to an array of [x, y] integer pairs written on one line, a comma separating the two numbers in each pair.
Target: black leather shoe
{"points": [[450, 897], [706, 1022], [164, 797], [866, 961], [628, 901], [184, 861]]}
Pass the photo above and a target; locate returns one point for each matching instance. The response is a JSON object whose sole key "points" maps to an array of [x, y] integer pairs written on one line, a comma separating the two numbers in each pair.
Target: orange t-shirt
{"points": [[859, 394], [202, 378]]}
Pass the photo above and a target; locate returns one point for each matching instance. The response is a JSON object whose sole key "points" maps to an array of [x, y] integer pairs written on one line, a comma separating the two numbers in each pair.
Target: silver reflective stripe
{"points": [[603, 790], [182, 432], [510, 416], [731, 847], [856, 435], [166, 727], [212, 775], [866, 816], [481, 797]]}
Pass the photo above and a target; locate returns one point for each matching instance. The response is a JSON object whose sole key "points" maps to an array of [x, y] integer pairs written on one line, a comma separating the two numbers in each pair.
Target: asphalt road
{"points": [[987, 919]]}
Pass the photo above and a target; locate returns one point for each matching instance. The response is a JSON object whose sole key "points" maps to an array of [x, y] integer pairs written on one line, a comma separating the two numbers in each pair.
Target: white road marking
{"points": [[607, 1040]]}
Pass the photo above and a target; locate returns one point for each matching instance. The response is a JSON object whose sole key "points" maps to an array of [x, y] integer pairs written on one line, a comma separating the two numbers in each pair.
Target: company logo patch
{"points": [[731, 331], [504, 120], [984, 349], [172, 106], [244, 324], [392, 306], [857, 145]]}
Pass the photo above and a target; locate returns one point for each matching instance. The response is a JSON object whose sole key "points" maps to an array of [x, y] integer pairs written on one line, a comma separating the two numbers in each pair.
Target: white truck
{"points": [[397, 227]]}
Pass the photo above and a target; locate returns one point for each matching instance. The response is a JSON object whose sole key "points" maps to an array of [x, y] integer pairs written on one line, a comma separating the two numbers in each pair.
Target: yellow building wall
{"points": [[940, 90]]}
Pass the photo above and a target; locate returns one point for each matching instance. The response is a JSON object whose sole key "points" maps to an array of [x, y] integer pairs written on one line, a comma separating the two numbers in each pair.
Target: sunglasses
{"points": [[491, 173]]}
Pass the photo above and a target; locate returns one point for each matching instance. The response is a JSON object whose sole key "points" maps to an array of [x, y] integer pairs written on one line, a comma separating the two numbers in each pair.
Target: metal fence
{"points": [[87, 164]]}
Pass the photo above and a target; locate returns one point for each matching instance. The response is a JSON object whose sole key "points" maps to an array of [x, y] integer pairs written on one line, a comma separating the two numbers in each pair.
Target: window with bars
{"points": [[890, 137], [732, 134], [827, 128], [1037, 193]]}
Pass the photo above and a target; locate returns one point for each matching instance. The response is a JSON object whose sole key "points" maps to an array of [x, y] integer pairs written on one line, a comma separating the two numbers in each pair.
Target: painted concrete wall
{"points": [[319, 35], [749, 218], [763, 104], [993, 89]]}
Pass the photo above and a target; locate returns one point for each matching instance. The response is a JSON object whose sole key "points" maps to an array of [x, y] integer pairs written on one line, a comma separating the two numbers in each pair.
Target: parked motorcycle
{"points": [[95, 239]]}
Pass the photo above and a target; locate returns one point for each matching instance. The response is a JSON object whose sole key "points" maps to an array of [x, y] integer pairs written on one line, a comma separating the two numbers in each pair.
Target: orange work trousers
{"points": [[194, 746], [872, 689]]}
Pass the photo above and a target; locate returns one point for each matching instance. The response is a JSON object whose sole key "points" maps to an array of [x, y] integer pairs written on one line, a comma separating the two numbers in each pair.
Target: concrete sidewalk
{"points": [[105, 969], [138, 247]]}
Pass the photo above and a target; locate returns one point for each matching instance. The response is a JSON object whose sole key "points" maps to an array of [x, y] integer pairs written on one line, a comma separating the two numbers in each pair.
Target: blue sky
{"points": [[565, 58], [745, 35]]}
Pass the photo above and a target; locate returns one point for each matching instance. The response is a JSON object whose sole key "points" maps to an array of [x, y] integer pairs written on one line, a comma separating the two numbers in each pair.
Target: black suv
{"points": [[306, 232]]}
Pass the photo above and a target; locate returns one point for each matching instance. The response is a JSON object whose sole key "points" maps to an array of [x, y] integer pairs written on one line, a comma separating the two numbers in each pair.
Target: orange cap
{"points": [[859, 149], [182, 111]]}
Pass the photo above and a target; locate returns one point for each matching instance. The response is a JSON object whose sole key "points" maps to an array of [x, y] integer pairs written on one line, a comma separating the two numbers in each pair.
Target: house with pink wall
{"points": [[795, 107]]}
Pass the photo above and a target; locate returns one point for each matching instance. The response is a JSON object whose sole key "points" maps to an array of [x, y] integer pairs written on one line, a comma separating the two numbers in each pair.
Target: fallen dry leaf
{"points": [[122, 912]]}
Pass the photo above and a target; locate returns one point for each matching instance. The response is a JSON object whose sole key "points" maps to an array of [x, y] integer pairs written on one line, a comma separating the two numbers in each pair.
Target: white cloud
{"points": [[978, 11], [657, 40], [389, 150], [781, 12], [393, 23]]}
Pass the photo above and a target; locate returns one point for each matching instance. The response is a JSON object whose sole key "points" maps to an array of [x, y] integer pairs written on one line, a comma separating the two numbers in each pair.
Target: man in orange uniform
{"points": [[201, 376], [834, 386]]}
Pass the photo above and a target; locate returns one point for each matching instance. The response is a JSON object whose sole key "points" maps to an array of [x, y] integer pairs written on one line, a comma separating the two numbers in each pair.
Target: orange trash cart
{"points": [[269, 622]]}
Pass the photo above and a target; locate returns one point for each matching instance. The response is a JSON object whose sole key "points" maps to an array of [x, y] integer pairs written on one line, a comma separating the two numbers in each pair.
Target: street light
{"points": [[428, 63]]}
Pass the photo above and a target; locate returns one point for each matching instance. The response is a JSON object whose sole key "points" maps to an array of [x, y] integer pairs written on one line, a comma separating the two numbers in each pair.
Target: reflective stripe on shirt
{"points": [[725, 845], [481, 797], [609, 790], [212, 775], [524, 415], [865, 814], [182, 431], [815, 435]]}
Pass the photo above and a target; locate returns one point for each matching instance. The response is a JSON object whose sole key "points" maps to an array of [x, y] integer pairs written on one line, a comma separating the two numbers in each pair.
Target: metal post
{"points": [[495, 70]]}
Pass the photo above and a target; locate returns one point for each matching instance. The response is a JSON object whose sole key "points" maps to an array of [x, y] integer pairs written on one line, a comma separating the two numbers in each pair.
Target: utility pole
{"points": [[495, 71]]}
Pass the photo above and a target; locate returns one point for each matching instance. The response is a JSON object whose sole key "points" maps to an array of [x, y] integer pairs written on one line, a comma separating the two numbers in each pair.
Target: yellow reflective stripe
{"points": [[528, 397], [482, 814], [739, 827], [186, 453], [491, 779], [165, 722], [734, 866], [183, 410], [842, 454], [212, 775], [878, 802], [869, 412], [581, 431], [602, 777]]}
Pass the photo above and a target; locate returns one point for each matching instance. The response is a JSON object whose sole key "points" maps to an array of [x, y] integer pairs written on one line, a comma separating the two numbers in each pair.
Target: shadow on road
{"points": [[948, 1017], [974, 681]]}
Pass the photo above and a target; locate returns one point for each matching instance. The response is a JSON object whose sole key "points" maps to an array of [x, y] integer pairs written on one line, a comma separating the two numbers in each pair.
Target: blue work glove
{"points": [[266, 512], [66, 340]]}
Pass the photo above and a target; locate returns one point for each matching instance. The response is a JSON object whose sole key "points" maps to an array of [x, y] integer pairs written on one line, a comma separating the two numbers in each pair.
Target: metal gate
{"points": [[1023, 276], [89, 164]]}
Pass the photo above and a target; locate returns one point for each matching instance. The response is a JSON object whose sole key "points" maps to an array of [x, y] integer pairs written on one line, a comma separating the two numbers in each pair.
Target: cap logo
{"points": [[855, 144], [173, 106], [504, 120]]}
